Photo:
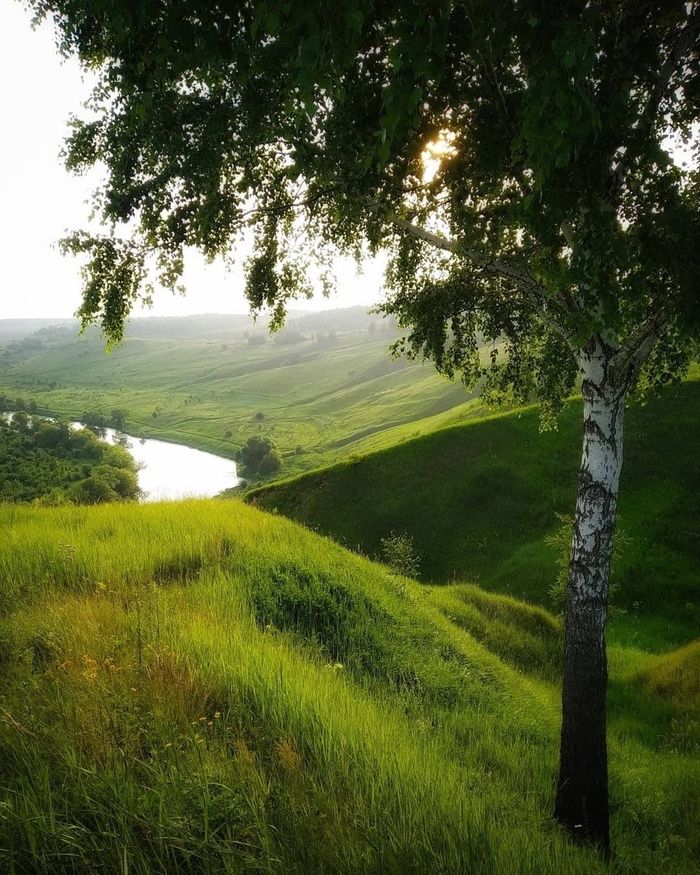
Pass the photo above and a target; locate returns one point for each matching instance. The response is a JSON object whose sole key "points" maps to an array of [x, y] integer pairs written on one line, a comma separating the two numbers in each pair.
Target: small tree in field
{"points": [[259, 456], [511, 157], [398, 552]]}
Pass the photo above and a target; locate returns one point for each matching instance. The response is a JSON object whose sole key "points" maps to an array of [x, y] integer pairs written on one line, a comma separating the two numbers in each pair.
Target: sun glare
{"points": [[435, 152]]}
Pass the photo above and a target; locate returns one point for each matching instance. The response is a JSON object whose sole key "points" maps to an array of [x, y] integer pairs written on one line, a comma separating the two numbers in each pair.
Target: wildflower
{"points": [[90, 667]]}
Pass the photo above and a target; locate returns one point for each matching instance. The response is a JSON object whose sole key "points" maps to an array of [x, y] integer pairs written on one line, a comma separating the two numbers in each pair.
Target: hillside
{"points": [[480, 498], [319, 389], [201, 687]]}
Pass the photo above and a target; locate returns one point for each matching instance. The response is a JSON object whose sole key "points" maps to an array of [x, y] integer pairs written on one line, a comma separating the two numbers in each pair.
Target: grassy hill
{"points": [[480, 498], [321, 389], [202, 687]]}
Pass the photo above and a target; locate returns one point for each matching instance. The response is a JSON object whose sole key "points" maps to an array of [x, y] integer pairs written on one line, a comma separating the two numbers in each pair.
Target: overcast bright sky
{"points": [[41, 201]]}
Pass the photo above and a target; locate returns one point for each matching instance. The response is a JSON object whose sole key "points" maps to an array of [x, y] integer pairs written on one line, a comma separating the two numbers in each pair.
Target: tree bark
{"points": [[582, 789]]}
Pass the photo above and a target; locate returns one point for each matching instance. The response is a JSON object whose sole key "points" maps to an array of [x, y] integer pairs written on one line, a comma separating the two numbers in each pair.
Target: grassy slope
{"points": [[479, 498], [325, 397], [201, 687]]}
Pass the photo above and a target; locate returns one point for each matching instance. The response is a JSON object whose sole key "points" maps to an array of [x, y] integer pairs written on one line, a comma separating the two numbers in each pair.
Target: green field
{"points": [[202, 687], [199, 381], [480, 498], [206, 687]]}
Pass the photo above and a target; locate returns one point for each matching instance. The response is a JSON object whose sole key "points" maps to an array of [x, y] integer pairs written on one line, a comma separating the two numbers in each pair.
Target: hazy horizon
{"points": [[42, 201], [292, 313]]}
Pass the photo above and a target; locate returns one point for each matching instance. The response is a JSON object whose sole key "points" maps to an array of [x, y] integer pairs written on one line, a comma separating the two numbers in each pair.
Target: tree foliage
{"points": [[259, 456], [52, 463], [557, 193]]}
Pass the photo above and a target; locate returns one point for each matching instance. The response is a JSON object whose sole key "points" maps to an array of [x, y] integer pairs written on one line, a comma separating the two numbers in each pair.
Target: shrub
{"points": [[399, 552], [117, 419], [259, 456]]}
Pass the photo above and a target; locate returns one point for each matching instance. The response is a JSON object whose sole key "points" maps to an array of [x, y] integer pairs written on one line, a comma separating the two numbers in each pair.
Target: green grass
{"points": [[202, 687], [329, 399], [480, 498]]}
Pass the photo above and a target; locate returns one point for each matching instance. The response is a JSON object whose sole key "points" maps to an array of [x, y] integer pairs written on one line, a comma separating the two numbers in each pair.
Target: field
{"points": [[482, 499], [207, 687], [202, 687], [321, 390]]}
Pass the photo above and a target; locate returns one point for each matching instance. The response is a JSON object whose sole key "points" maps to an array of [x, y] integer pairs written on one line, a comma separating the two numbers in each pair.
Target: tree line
{"points": [[51, 463]]}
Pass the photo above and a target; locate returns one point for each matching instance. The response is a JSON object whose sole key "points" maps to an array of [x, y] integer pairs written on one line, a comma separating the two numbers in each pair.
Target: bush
{"points": [[117, 419], [259, 456], [399, 553], [270, 463]]}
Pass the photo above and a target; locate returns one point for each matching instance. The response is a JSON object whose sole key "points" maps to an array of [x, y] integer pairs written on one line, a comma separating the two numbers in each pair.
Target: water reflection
{"points": [[169, 471]]}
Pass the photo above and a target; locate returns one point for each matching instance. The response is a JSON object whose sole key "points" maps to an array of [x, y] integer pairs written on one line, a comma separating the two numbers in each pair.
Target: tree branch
{"points": [[635, 350], [532, 289]]}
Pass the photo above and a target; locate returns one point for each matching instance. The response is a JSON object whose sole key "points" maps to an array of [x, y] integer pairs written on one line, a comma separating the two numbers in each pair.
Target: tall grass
{"points": [[201, 687]]}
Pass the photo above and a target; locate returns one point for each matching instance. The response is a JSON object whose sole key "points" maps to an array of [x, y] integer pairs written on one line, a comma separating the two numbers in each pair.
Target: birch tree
{"points": [[513, 158]]}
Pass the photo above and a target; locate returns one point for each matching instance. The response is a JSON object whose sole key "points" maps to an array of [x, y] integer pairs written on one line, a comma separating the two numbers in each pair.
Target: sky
{"points": [[41, 201]]}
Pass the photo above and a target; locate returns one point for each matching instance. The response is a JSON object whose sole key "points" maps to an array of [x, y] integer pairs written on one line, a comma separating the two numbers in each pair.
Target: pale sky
{"points": [[41, 201]]}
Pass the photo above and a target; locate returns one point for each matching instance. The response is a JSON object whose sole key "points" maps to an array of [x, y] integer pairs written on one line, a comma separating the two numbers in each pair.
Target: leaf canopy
{"points": [[556, 212]]}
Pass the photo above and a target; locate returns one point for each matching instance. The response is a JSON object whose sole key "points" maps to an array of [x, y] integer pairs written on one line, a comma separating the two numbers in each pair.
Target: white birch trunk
{"points": [[582, 793]]}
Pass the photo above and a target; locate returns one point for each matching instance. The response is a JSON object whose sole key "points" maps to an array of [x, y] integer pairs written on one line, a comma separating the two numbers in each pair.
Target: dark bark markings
{"points": [[582, 789]]}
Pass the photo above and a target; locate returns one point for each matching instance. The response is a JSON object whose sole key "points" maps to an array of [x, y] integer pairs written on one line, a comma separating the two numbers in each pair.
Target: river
{"points": [[169, 471]]}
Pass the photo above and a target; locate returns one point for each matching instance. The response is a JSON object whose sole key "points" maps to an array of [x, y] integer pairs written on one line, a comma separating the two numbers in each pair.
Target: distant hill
{"points": [[319, 388], [201, 325], [14, 329]]}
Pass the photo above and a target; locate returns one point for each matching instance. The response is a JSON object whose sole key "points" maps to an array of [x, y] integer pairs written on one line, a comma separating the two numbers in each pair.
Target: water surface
{"points": [[168, 471]]}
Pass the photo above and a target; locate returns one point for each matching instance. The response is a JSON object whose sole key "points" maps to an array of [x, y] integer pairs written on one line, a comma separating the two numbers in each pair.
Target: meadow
{"points": [[208, 686], [204, 687], [319, 391], [486, 497]]}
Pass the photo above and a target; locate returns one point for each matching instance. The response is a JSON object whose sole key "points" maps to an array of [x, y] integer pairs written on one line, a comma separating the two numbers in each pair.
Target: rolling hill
{"points": [[321, 389], [203, 687], [480, 498]]}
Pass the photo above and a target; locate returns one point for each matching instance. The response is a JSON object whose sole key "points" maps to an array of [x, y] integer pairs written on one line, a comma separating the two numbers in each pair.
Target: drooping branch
{"points": [[536, 293]]}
